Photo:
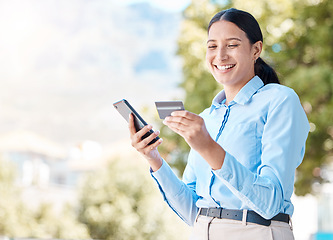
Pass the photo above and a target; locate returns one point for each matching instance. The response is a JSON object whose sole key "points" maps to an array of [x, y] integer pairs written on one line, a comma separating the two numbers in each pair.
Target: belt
{"points": [[252, 216]]}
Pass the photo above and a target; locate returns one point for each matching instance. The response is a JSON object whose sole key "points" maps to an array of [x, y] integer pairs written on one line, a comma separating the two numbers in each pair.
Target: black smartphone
{"points": [[125, 109]]}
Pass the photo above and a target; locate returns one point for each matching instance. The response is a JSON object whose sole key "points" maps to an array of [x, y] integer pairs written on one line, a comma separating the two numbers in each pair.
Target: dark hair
{"points": [[247, 23]]}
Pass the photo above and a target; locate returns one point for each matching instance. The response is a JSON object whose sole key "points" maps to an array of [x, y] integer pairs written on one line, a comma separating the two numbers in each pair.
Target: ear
{"points": [[256, 50]]}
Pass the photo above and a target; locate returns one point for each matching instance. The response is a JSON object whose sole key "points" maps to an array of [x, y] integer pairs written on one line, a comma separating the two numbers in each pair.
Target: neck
{"points": [[229, 95], [232, 90]]}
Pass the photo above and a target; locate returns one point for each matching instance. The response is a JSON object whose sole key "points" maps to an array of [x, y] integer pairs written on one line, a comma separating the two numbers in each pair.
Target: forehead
{"points": [[222, 30]]}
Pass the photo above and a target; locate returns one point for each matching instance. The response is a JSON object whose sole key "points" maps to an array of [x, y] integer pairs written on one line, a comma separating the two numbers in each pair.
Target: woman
{"points": [[244, 148]]}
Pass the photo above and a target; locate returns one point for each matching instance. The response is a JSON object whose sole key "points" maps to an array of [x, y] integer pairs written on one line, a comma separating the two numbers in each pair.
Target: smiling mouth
{"points": [[225, 67]]}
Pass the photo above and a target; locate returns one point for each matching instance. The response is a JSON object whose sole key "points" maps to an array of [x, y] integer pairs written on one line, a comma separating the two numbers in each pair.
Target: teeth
{"points": [[225, 67]]}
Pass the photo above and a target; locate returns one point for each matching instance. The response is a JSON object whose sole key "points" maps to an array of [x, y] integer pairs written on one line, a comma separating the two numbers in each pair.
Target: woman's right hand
{"points": [[150, 152]]}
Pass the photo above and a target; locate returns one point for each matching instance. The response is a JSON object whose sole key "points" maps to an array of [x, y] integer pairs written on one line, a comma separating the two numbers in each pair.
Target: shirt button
{"points": [[230, 177], [240, 188]]}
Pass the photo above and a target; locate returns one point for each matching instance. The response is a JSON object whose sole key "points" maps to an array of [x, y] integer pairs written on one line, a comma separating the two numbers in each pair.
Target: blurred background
{"points": [[67, 169]]}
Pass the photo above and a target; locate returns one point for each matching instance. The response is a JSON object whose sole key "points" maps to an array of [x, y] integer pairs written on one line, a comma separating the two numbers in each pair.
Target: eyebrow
{"points": [[228, 39]]}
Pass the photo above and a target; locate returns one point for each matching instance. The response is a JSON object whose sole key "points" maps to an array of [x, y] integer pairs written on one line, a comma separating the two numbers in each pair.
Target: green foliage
{"points": [[122, 202], [11, 208], [46, 223], [297, 42], [315, 86], [18, 220], [305, 62]]}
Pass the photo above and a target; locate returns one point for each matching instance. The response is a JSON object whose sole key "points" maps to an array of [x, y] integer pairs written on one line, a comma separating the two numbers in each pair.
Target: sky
{"points": [[63, 63], [168, 5]]}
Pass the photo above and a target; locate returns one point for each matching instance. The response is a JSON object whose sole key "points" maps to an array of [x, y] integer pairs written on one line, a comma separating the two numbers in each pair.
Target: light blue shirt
{"points": [[263, 132]]}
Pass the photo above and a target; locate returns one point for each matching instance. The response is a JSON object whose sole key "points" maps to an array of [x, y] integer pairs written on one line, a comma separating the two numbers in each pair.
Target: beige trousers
{"points": [[209, 228]]}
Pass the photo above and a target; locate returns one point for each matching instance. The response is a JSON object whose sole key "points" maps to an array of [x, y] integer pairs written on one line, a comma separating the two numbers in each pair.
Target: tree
{"points": [[46, 223], [121, 202], [297, 42], [304, 55], [11, 209], [18, 220]]}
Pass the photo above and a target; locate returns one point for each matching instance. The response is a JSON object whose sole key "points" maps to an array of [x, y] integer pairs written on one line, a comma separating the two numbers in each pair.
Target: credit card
{"points": [[165, 108]]}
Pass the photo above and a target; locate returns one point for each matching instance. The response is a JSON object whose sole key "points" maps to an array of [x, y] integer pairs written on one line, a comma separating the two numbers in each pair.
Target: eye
{"points": [[233, 45], [212, 47]]}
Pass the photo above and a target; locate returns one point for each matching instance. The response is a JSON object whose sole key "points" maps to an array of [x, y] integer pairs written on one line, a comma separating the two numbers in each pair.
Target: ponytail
{"points": [[265, 72]]}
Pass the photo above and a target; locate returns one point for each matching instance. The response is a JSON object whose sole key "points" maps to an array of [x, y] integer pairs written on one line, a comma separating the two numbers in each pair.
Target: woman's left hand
{"points": [[191, 127]]}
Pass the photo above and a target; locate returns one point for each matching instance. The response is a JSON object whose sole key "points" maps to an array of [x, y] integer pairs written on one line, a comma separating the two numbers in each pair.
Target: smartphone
{"points": [[125, 109]]}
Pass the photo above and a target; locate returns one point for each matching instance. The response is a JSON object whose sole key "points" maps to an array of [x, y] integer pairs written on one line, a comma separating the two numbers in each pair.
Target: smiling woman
{"points": [[249, 34], [230, 56], [245, 147]]}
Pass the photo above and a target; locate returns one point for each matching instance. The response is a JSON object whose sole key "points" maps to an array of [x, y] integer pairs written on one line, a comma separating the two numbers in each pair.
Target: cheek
{"points": [[209, 59]]}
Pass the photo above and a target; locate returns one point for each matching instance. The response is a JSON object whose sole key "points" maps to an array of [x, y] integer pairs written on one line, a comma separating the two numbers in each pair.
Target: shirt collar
{"points": [[242, 97]]}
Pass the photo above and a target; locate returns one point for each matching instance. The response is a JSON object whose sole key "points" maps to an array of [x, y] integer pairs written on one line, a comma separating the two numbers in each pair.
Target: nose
{"points": [[222, 54]]}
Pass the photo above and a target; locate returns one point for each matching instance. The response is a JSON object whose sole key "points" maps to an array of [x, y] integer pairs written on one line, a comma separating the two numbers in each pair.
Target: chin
{"points": [[223, 81]]}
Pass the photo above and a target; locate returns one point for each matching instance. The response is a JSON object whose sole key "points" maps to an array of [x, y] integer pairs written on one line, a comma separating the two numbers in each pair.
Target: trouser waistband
{"points": [[251, 216]]}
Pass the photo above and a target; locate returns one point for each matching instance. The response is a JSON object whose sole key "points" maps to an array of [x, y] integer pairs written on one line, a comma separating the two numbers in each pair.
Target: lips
{"points": [[225, 67]]}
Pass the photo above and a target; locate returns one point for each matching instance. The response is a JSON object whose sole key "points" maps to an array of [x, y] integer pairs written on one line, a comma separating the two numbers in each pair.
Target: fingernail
{"points": [[149, 126], [157, 132]]}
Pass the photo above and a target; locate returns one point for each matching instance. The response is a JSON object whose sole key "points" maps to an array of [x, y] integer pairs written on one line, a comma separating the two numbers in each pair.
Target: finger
{"points": [[150, 148], [180, 125], [148, 139], [179, 128], [138, 135], [184, 113], [178, 120], [156, 144], [179, 131], [131, 124]]}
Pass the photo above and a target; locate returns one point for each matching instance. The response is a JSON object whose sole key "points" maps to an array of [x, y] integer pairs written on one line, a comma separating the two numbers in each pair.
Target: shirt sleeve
{"points": [[180, 197], [283, 147]]}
